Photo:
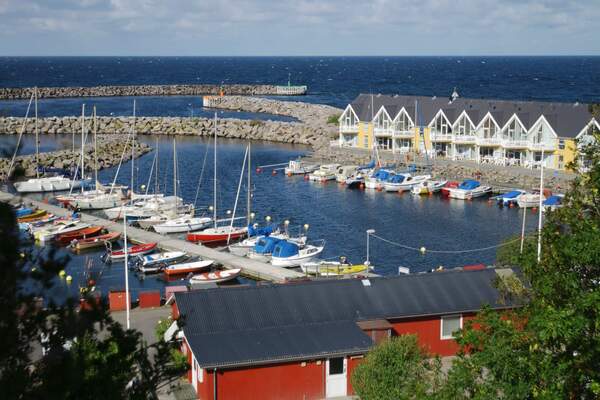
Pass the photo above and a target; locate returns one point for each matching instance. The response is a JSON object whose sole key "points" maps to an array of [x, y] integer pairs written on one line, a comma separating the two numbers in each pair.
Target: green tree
{"points": [[397, 369], [334, 119], [88, 354], [550, 347]]}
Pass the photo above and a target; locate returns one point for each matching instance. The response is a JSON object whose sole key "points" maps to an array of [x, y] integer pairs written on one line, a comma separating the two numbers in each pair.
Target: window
{"points": [[382, 121], [403, 123], [336, 366], [441, 125], [349, 119], [200, 374], [384, 143], [537, 156], [561, 144], [539, 135], [450, 325], [464, 126], [366, 138], [489, 128]]}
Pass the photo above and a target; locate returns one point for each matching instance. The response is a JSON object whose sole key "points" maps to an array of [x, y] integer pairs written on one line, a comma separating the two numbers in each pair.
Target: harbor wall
{"points": [[145, 90]]}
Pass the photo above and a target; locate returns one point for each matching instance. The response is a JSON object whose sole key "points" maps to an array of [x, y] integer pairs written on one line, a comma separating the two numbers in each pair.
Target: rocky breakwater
{"points": [[138, 90], [110, 150]]}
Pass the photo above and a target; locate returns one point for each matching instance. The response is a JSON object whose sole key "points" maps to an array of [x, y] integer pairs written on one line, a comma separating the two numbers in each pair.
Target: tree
{"points": [[396, 369], [88, 354], [550, 347]]}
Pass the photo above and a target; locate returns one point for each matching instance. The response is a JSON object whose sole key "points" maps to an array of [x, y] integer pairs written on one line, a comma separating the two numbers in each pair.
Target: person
{"points": [[76, 213]]}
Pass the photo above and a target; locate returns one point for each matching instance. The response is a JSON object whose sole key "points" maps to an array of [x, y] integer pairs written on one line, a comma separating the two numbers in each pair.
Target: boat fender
{"points": [[306, 177], [274, 173], [258, 170]]}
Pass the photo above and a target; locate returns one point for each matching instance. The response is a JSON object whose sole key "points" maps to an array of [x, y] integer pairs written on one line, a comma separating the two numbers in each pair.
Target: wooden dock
{"points": [[250, 268]]}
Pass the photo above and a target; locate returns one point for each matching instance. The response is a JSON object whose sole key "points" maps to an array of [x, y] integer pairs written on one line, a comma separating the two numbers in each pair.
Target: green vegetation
{"points": [[87, 354], [547, 349], [257, 122], [334, 119]]}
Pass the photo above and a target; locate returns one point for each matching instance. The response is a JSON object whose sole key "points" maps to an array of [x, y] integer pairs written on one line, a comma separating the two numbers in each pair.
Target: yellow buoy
{"points": [[423, 250], [69, 278], [62, 273]]}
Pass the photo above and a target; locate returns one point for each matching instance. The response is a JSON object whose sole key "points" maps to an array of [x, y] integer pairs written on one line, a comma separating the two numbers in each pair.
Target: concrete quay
{"points": [[250, 268]]}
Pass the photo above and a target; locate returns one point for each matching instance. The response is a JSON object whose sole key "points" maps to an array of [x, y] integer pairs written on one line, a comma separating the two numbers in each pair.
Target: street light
{"points": [[369, 233]]}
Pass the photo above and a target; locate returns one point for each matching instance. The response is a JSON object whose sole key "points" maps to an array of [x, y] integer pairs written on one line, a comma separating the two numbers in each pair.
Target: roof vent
{"points": [[378, 94], [366, 282], [454, 95], [576, 104]]}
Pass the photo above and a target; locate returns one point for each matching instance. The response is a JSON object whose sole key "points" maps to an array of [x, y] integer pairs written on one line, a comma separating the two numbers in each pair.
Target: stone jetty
{"points": [[110, 149], [142, 90]]}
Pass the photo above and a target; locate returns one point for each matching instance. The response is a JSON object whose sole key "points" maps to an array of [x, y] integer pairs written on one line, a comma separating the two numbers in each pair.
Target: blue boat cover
{"points": [[396, 178], [265, 245], [553, 201], [285, 249], [511, 195], [469, 184], [382, 174], [368, 166], [21, 212], [412, 167], [266, 231]]}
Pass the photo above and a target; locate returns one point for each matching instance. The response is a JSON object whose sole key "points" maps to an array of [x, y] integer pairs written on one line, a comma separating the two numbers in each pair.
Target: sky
{"points": [[303, 27]]}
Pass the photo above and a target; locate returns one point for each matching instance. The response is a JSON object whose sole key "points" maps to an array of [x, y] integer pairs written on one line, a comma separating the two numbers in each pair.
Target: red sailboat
{"points": [[137, 250]]}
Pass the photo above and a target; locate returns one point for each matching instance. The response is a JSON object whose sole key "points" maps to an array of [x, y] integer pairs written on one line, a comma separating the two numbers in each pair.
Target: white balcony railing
{"points": [[515, 143], [439, 137], [404, 134], [348, 128], [465, 139], [384, 131], [489, 141], [541, 146]]}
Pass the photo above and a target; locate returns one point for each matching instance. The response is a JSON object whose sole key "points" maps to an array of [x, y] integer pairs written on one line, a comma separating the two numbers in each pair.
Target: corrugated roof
{"points": [[223, 313], [568, 119], [278, 344]]}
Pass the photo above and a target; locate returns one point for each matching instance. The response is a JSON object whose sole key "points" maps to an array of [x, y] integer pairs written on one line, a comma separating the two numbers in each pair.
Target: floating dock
{"points": [[250, 268]]}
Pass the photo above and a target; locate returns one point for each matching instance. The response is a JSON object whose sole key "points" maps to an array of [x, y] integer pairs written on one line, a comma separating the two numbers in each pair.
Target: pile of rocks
{"points": [[110, 150], [138, 90]]}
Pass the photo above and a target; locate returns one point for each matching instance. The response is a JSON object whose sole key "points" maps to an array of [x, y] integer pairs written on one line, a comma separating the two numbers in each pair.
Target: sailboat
{"points": [[44, 184], [219, 234], [184, 223]]}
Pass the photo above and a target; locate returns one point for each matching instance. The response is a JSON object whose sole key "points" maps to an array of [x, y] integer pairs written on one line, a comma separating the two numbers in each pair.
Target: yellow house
{"points": [[499, 132]]}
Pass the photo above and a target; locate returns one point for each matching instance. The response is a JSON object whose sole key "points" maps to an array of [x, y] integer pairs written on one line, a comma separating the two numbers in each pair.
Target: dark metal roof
{"points": [[567, 119], [225, 314], [278, 344]]}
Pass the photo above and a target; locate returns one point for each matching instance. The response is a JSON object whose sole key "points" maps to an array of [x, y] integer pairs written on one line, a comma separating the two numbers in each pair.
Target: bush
{"points": [[334, 119]]}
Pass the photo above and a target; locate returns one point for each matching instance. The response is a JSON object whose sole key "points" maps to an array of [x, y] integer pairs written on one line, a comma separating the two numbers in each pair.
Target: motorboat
{"points": [[469, 189], [357, 179], [97, 201], [333, 268], [449, 185], [151, 263], [345, 172], [64, 239], [186, 268], [45, 234], [326, 172], [148, 223], [530, 200], [182, 224], [219, 234], [95, 241], [553, 202], [428, 187], [215, 276], [132, 251], [406, 183], [298, 167], [264, 247], [509, 198], [289, 254], [377, 178]]}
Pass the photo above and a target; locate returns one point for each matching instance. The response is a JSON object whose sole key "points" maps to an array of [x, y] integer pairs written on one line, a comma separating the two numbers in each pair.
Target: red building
{"points": [[303, 340]]}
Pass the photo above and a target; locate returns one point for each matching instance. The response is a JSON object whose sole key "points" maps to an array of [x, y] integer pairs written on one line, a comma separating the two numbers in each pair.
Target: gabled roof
{"points": [[229, 318], [567, 119]]}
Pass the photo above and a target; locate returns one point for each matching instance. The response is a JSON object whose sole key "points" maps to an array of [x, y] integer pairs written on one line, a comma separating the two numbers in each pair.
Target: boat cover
{"points": [[285, 249], [265, 245], [370, 165], [266, 231], [396, 179], [511, 195], [382, 174], [469, 184], [553, 201]]}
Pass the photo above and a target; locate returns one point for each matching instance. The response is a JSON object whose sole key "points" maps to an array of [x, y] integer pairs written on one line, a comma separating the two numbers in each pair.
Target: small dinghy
{"points": [[428, 187], [95, 241], [332, 268], [215, 277], [182, 224], [156, 262], [186, 268], [64, 239], [508, 198], [288, 254], [132, 251]]}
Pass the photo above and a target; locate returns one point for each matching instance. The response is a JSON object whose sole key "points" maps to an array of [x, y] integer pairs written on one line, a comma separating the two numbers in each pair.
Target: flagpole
{"points": [[539, 246]]}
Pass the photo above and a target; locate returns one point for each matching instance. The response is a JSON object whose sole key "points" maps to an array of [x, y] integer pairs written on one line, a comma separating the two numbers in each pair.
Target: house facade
{"points": [[498, 132], [304, 340]]}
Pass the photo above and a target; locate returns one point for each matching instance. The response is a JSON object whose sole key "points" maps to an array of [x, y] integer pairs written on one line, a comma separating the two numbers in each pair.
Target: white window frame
{"points": [[200, 373], [442, 337]]}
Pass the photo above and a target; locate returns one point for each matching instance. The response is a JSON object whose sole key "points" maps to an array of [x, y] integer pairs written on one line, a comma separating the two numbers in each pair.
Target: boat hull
{"points": [[186, 268], [215, 277], [213, 236], [137, 250], [53, 184], [187, 225], [96, 241]]}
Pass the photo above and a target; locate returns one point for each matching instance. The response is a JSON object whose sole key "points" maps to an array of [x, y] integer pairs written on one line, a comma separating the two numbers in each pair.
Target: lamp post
{"points": [[369, 233], [191, 110]]}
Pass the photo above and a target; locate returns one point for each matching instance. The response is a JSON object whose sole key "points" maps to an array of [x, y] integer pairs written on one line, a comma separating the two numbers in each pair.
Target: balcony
{"points": [[465, 139], [489, 141], [404, 134], [541, 146], [439, 137], [349, 128], [515, 144], [384, 131]]}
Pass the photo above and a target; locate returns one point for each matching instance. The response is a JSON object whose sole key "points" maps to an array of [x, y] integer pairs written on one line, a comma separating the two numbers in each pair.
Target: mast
{"points": [[133, 151], [539, 244], [82, 144], [126, 269], [95, 148], [37, 137], [156, 188], [175, 172], [249, 194], [215, 175]]}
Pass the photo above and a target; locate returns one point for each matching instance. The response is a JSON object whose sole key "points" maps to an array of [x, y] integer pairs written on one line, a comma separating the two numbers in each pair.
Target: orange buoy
{"points": [[274, 172], [379, 188], [510, 205], [258, 170], [289, 174]]}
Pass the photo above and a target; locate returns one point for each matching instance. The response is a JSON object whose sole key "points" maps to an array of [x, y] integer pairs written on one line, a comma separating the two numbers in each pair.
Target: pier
{"points": [[250, 268]]}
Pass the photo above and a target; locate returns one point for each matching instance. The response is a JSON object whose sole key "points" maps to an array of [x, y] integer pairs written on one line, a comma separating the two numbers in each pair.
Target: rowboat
{"points": [[137, 250], [96, 241], [219, 234], [215, 277], [33, 216], [64, 239], [298, 167], [288, 254], [44, 234], [186, 268], [332, 268], [428, 187], [182, 224], [23, 211], [469, 189]]}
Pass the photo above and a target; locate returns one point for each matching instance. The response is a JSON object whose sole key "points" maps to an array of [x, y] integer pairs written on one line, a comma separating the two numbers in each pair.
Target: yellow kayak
{"points": [[34, 216], [332, 268]]}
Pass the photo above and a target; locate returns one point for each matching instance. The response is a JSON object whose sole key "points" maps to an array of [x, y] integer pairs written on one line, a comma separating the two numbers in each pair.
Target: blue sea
{"points": [[338, 215]]}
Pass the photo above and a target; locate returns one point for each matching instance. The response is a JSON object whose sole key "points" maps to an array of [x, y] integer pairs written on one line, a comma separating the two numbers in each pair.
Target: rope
{"points": [[444, 251], [200, 178]]}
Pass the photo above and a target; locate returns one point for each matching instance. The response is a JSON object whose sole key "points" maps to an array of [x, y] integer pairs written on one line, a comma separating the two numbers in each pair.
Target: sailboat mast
{"points": [[133, 150], [215, 175], [539, 244], [95, 148], [37, 137], [175, 172], [156, 188], [249, 194], [82, 143]]}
